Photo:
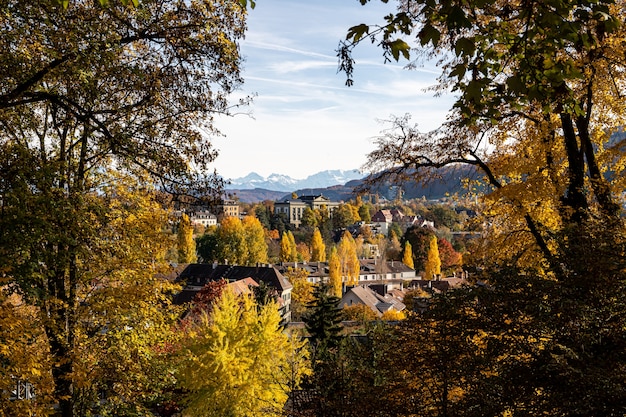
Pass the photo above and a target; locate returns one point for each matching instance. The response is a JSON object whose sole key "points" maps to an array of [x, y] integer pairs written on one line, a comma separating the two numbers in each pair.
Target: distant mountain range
{"points": [[340, 185], [279, 182]]}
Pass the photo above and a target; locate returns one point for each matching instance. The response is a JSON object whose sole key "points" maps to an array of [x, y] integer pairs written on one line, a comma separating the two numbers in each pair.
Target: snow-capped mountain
{"points": [[278, 182]]}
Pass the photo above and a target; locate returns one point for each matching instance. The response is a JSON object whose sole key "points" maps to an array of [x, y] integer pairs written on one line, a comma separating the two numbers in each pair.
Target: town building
{"points": [[228, 208], [204, 218], [294, 208], [195, 276]]}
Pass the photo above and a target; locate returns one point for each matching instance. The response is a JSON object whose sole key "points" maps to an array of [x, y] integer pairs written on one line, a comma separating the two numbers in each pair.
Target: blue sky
{"points": [[304, 119]]}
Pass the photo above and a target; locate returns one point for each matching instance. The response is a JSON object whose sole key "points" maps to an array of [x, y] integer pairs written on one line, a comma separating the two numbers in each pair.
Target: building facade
{"points": [[294, 208]]}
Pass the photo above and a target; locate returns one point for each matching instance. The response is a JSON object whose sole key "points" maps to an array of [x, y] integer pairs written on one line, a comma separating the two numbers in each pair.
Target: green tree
{"points": [[103, 95], [323, 321], [419, 238], [433, 262], [407, 257], [318, 248], [365, 213], [186, 245], [230, 358]]}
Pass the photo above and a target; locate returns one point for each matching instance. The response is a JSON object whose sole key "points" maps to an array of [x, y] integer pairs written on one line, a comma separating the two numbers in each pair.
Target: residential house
{"points": [[371, 271], [228, 208], [379, 304], [205, 218], [195, 276]]}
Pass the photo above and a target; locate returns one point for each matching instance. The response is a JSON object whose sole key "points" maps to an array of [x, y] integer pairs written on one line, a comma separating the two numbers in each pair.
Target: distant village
{"points": [[381, 284]]}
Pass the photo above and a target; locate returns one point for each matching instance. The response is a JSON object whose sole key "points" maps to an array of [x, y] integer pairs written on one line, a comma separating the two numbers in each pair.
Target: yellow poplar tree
{"points": [[433, 262], [186, 243], [334, 273], [288, 250], [230, 361], [256, 246], [318, 248], [231, 241], [348, 259], [407, 258]]}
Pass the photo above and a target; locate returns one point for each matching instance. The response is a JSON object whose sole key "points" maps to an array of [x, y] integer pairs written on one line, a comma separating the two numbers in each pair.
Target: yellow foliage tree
{"points": [[433, 262], [288, 249], [302, 292], [350, 266], [186, 244], [231, 361], [318, 248], [334, 273], [393, 315], [407, 258], [256, 246]]}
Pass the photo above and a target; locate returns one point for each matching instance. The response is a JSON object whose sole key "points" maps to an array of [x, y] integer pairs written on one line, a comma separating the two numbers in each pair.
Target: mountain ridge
{"points": [[285, 183], [444, 182]]}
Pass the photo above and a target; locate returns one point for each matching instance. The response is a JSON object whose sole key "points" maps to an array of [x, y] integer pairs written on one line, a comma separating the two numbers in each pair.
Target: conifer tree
{"points": [[186, 244], [324, 320], [433, 262]]}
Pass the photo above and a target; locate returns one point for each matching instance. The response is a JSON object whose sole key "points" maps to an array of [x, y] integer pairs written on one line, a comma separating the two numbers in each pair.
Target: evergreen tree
{"points": [[324, 321]]}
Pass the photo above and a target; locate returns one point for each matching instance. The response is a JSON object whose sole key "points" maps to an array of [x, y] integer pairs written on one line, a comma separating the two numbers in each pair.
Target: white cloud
{"points": [[304, 118]]}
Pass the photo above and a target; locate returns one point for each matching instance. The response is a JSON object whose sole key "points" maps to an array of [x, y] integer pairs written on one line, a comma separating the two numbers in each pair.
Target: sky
{"points": [[304, 119]]}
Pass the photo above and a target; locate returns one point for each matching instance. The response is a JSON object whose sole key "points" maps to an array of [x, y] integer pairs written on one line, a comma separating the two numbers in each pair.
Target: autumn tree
{"points": [[543, 131], [302, 292], [288, 248], [88, 92], [256, 247], [348, 259], [419, 238], [432, 268], [318, 248], [358, 312], [186, 245], [345, 215], [218, 382], [450, 258], [407, 257], [536, 112], [334, 273], [235, 241]]}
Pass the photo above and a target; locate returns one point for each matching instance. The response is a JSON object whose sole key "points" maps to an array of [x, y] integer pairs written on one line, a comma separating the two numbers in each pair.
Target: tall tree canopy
{"points": [[539, 89], [232, 360], [90, 95]]}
